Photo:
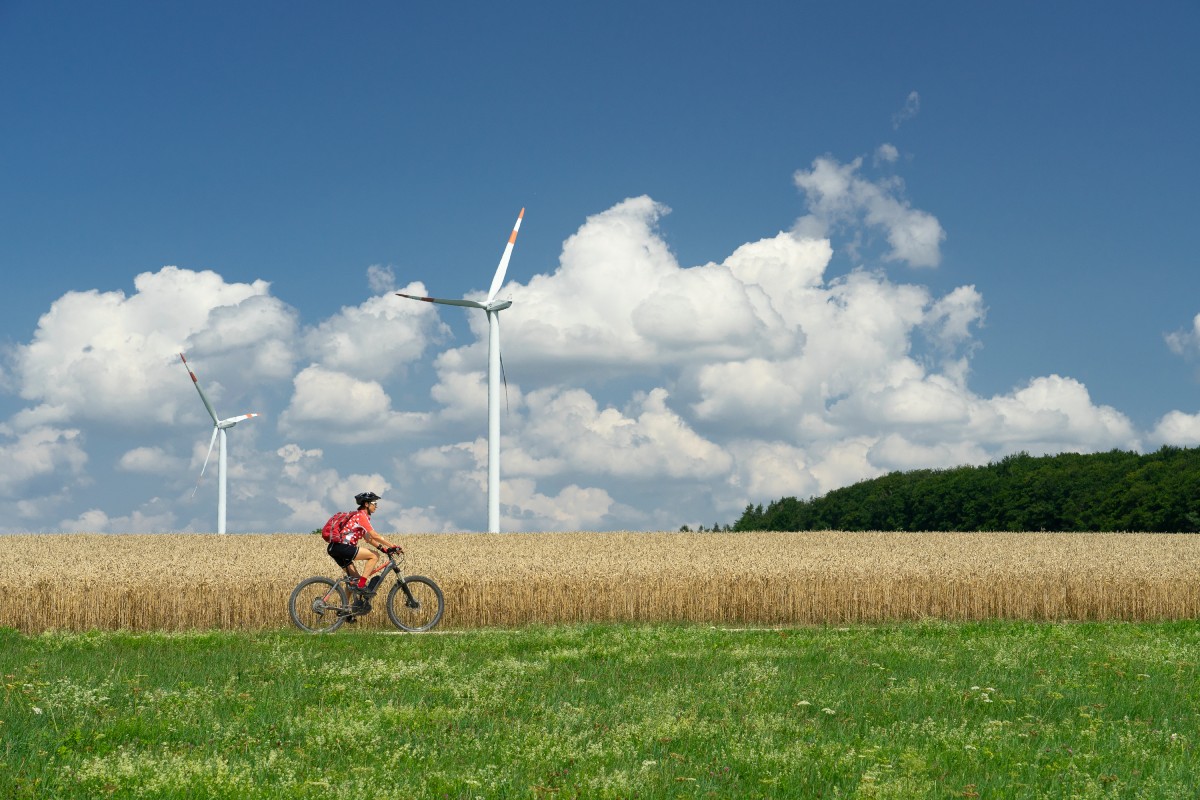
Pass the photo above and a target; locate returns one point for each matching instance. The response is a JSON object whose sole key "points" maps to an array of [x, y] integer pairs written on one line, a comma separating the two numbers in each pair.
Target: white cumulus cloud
{"points": [[1179, 429], [111, 358], [41, 455], [838, 196], [150, 460], [376, 339], [339, 407], [1186, 341], [647, 440]]}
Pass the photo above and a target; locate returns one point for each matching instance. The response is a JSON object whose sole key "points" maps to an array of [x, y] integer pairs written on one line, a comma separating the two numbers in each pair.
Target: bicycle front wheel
{"points": [[420, 613], [318, 605]]}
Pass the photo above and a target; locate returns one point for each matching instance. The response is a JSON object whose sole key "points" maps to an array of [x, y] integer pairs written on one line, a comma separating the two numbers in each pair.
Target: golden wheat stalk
{"points": [[187, 581]]}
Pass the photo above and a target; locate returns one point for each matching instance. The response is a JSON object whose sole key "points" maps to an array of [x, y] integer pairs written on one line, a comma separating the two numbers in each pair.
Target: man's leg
{"points": [[363, 554], [343, 555], [369, 556]]}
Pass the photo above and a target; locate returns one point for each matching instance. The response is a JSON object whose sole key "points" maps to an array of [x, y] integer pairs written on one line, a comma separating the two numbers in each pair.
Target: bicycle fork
{"points": [[410, 601], [392, 566]]}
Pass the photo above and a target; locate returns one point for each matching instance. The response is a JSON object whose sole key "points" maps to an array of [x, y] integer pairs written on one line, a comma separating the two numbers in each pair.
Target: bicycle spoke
{"points": [[420, 611], [317, 605]]}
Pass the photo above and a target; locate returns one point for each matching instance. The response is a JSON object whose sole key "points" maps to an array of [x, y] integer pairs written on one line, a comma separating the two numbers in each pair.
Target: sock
{"points": [[361, 583]]}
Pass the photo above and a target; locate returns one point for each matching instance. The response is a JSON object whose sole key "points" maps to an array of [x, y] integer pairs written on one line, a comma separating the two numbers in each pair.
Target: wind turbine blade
{"points": [[211, 411], [498, 278], [211, 442], [503, 376], [467, 303], [229, 423], [504, 380]]}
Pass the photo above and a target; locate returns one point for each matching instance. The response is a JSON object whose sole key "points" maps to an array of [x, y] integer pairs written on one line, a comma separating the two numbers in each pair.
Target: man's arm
{"points": [[375, 540]]}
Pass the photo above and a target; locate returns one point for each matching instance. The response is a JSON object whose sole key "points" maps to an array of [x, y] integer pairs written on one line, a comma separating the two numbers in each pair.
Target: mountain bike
{"points": [[321, 605]]}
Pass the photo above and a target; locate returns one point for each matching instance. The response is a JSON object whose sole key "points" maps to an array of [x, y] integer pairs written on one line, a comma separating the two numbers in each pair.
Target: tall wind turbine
{"points": [[493, 307], [219, 428]]}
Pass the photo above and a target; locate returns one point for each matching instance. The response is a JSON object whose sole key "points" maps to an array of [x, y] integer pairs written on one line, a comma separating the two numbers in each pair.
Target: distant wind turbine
{"points": [[219, 428], [493, 307]]}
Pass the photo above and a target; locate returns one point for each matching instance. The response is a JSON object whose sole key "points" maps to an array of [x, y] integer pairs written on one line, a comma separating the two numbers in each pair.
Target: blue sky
{"points": [[987, 214]]}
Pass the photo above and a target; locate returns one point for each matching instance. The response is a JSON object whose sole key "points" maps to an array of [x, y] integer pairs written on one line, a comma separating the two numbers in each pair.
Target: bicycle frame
{"points": [[390, 563]]}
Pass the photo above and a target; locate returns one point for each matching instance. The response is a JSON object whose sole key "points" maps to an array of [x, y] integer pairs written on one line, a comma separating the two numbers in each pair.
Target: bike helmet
{"points": [[366, 497]]}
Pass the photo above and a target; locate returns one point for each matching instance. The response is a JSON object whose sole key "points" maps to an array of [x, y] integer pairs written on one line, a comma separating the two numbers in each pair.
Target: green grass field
{"points": [[913, 710]]}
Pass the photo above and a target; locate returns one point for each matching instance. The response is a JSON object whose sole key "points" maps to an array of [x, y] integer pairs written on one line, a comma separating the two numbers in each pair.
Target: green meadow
{"points": [[928, 709]]}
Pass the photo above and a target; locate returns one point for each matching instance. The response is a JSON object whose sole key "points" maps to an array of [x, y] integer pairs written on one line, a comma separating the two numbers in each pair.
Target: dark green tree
{"points": [[1111, 491]]}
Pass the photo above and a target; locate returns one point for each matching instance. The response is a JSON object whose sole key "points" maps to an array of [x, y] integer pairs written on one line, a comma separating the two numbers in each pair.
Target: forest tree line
{"points": [[1113, 491]]}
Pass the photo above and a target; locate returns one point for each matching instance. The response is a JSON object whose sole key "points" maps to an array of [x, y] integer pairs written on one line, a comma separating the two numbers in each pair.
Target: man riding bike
{"points": [[345, 551]]}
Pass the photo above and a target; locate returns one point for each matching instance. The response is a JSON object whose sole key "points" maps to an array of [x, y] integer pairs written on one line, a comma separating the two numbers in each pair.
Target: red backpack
{"points": [[332, 532]]}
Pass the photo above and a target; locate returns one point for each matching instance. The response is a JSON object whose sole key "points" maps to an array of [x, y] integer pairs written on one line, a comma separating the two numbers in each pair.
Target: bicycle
{"points": [[321, 605]]}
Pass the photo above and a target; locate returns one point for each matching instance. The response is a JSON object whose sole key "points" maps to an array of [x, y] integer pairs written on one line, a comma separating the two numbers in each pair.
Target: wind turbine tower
{"points": [[219, 428], [492, 307]]}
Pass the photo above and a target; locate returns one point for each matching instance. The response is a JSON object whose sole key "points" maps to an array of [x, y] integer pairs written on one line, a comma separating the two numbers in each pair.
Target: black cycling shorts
{"points": [[342, 553]]}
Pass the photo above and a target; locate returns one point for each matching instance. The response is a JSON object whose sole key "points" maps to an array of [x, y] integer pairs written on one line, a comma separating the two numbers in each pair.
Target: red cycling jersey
{"points": [[358, 526]]}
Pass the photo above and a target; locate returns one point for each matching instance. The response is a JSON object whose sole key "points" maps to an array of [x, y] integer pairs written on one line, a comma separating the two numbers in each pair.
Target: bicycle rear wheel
{"points": [[318, 605], [425, 609]]}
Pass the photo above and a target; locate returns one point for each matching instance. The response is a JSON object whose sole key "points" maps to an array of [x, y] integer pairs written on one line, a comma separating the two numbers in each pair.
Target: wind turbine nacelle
{"points": [[498, 305]]}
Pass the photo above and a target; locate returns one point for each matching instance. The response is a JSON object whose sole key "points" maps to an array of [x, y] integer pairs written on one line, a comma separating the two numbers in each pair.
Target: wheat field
{"points": [[242, 581]]}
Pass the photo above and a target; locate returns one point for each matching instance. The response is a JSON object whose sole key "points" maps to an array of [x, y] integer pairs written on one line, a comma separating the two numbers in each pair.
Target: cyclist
{"points": [[344, 548]]}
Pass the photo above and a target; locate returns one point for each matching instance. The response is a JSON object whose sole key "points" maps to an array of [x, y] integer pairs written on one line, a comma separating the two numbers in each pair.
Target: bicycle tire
{"points": [[310, 609], [432, 604]]}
